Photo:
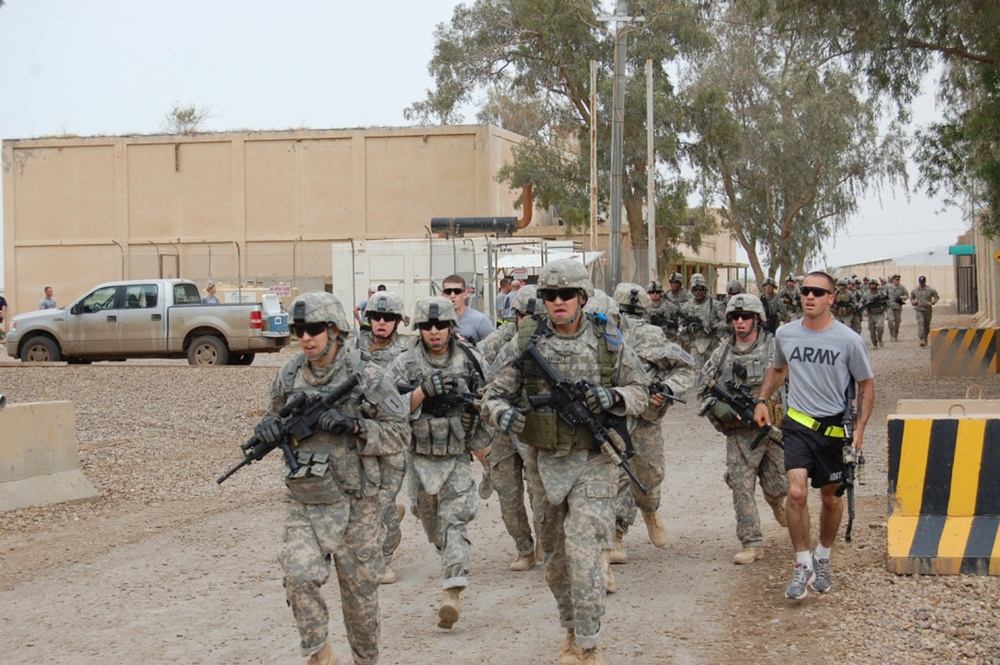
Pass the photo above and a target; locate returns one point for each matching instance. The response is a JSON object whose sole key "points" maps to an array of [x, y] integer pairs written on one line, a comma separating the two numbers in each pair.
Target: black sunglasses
{"points": [[426, 326], [382, 316], [742, 316], [314, 329], [452, 292], [565, 295], [814, 291], [652, 292]]}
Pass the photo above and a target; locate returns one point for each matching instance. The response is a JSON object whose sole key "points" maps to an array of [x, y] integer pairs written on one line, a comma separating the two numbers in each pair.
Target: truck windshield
{"points": [[186, 294]]}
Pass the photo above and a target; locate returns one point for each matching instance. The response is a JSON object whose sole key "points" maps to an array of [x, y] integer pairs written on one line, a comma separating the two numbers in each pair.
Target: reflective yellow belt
{"points": [[814, 425]]}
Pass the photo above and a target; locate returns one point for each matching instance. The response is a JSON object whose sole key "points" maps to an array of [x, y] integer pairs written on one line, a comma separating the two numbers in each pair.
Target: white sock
{"points": [[822, 552], [805, 558]]}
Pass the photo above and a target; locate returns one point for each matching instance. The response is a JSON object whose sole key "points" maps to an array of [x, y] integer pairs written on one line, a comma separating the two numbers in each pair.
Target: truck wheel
{"points": [[40, 349], [241, 359], [208, 350]]}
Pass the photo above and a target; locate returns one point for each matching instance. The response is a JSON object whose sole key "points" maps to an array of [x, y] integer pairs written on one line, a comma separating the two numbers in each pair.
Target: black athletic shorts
{"points": [[822, 456]]}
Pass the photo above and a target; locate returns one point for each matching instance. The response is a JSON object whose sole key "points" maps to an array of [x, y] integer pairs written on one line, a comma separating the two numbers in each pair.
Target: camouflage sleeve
{"points": [[384, 414], [278, 396], [502, 387], [631, 382], [706, 374]]}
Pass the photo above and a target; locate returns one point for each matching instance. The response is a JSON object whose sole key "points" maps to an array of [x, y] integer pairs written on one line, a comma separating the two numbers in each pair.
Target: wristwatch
{"points": [[759, 401]]}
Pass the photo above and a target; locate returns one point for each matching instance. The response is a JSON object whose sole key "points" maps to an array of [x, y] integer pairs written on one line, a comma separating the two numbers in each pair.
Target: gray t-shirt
{"points": [[820, 366], [474, 326]]}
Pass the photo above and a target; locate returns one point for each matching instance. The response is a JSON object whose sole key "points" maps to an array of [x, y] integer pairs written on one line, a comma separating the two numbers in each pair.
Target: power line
{"points": [[904, 233]]}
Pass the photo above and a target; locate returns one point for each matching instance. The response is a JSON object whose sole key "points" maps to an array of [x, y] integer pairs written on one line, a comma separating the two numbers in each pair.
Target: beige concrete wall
{"points": [[257, 208], [39, 464]]}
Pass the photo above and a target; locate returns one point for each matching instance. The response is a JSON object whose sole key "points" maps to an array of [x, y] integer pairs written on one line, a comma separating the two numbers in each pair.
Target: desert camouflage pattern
{"points": [[791, 303], [489, 347], [844, 306], [701, 340], [898, 295], [573, 492], [876, 316]]}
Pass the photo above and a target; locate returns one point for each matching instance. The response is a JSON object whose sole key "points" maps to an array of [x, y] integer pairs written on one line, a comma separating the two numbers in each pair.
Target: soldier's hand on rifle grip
{"points": [[336, 422], [724, 413], [599, 399], [512, 421], [437, 384], [268, 430]]}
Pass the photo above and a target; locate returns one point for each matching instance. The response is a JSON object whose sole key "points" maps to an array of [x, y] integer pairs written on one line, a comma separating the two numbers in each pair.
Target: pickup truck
{"points": [[153, 318]]}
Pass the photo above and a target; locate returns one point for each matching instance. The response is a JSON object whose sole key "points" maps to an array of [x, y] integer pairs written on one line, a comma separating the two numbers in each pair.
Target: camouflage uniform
{"points": [[875, 303], [682, 295], [332, 505], [844, 304], [745, 466], [574, 488], [706, 322], [856, 318], [393, 466], [898, 295], [923, 298], [442, 488], [791, 302]]}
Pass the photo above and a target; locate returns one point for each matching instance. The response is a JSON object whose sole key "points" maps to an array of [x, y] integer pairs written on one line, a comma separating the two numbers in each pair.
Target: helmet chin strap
{"points": [[753, 328]]}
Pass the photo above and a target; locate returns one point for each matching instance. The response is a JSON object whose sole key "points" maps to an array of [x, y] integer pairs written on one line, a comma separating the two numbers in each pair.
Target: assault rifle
{"points": [[881, 300], [740, 398], [660, 388], [567, 400], [687, 322], [298, 423], [850, 461], [441, 405]]}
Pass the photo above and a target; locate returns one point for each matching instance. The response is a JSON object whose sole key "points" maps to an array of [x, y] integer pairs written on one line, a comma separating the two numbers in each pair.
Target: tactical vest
{"points": [[444, 436], [843, 303]]}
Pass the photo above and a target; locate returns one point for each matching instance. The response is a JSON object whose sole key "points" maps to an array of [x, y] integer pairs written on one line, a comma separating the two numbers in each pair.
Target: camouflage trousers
{"points": [[846, 319], [895, 318], [876, 327], [649, 465], [345, 533], [507, 478], [393, 468], [573, 533], [856, 322], [923, 323], [445, 517], [743, 468]]}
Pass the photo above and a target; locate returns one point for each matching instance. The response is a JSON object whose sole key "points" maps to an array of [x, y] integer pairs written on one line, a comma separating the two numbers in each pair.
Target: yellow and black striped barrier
{"points": [[964, 351], [944, 495]]}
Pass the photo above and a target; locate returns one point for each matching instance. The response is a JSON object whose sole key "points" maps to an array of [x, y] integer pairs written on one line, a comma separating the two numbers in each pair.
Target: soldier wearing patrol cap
{"points": [[332, 500], [443, 438], [573, 481], [745, 357], [923, 298]]}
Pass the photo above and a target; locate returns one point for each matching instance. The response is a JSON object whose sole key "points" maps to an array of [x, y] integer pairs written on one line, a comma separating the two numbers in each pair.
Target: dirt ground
{"points": [[169, 567]]}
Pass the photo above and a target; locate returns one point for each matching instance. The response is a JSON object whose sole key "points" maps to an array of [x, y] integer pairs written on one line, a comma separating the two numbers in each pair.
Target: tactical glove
{"points": [[469, 420], [268, 430], [599, 399], [723, 412], [512, 421], [336, 422], [437, 384]]}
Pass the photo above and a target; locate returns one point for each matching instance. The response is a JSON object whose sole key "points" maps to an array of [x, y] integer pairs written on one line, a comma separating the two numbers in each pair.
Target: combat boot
{"points": [[400, 511], [448, 612], [748, 555], [388, 576], [593, 656], [779, 514], [570, 654], [324, 656], [609, 577], [618, 553], [524, 562], [654, 525]]}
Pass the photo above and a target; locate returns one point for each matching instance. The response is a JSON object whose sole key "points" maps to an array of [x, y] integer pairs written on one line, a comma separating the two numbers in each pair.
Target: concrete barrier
{"points": [[39, 463], [944, 498], [964, 351]]}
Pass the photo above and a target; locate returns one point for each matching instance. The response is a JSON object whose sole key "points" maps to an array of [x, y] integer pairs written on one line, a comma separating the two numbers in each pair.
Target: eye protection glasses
{"points": [[382, 316], [550, 295], [814, 291], [742, 316], [452, 292], [313, 329], [433, 325]]}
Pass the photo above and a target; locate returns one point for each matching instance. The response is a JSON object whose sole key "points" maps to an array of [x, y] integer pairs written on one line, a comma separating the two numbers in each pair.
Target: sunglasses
{"points": [[427, 326], [452, 292], [313, 329], [742, 316], [814, 291], [550, 295], [653, 292], [381, 316]]}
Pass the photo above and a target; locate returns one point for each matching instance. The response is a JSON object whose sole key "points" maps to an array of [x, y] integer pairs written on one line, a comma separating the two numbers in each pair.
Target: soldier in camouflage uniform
{"points": [[844, 303], [773, 308], [662, 313], [898, 295], [854, 286], [677, 294], [703, 321], [923, 298], [574, 483], [332, 500], [441, 483], [381, 340], [791, 301], [875, 301], [505, 463], [672, 370], [750, 349]]}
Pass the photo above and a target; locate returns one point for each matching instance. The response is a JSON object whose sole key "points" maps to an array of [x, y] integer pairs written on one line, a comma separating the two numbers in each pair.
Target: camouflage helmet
{"points": [[770, 282], [526, 301], [386, 302], [857, 281], [744, 302], [676, 277], [654, 286], [434, 308], [319, 307], [697, 280], [600, 303], [734, 287], [565, 274], [789, 278], [631, 298], [841, 282]]}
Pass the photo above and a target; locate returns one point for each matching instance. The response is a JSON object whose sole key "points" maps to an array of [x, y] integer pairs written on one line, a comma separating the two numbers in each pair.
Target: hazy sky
{"points": [[117, 67]]}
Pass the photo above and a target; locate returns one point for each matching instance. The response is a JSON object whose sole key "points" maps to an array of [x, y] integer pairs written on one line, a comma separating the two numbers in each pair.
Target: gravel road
{"points": [[168, 567]]}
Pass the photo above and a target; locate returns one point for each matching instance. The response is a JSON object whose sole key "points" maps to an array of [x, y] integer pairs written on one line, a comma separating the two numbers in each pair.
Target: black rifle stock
{"points": [[740, 398], [567, 400], [440, 405], [298, 423], [850, 461]]}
